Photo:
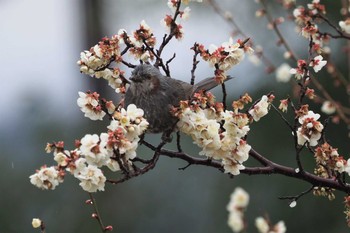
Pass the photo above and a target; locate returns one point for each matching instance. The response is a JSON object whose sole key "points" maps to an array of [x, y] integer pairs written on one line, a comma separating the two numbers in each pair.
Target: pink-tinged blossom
{"points": [[260, 109], [201, 120], [315, 7], [46, 178], [328, 107], [94, 149], [310, 129], [89, 104], [283, 105], [317, 63], [299, 72], [345, 25], [263, 226]]}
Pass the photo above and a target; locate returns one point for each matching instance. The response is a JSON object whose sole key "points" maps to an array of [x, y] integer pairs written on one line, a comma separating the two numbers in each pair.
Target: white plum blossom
{"points": [[260, 109], [91, 179], [310, 129], [91, 60], [279, 227], [328, 107], [61, 159], [89, 104], [113, 165], [262, 225], [218, 141], [235, 221], [239, 200], [94, 149], [186, 13], [124, 132], [345, 25], [226, 55], [283, 73], [317, 63], [36, 222], [132, 112], [231, 166], [46, 178]]}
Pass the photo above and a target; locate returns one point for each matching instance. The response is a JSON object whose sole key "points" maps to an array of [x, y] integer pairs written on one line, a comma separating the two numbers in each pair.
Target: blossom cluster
{"points": [[92, 107], [225, 56], [96, 61], [239, 201], [328, 157], [113, 149], [263, 226], [261, 108], [310, 129], [171, 23], [220, 133], [304, 18]]}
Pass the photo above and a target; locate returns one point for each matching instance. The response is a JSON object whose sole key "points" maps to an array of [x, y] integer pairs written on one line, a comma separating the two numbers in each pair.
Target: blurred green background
{"points": [[41, 42]]}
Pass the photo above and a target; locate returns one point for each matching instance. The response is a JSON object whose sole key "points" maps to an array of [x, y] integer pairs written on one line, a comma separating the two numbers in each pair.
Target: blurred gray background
{"points": [[40, 43]]}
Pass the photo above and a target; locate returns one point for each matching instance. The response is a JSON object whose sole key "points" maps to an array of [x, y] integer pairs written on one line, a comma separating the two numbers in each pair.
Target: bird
{"points": [[156, 94]]}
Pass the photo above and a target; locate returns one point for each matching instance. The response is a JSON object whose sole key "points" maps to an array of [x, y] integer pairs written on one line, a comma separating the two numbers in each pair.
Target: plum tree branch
{"points": [[268, 168]]}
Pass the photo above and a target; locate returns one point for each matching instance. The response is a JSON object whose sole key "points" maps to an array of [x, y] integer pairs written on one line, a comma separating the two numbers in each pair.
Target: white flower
{"points": [[260, 109], [171, 6], [94, 149], [283, 73], [254, 59], [239, 199], [317, 63], [79, 165], [262, 225], [36, 222], [113, 165], [92, 179], [235, 221], [328, 107], [241, 153], [186, 13], [88, 103], [310, 129], [232, 166], [133, 112], [60, 158], [46, 178], [280, 227], [347, 167], [235, 54], [345, 25]]}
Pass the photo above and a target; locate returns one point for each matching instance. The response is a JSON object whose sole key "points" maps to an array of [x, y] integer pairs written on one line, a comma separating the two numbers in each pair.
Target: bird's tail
{"points": [[207, 84]]}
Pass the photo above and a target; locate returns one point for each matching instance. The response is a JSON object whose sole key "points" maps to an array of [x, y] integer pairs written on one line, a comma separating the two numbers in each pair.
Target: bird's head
{"points": [[144, 73]]}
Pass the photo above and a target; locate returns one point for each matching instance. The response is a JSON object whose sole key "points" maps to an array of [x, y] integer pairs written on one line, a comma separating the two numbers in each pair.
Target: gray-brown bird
{"points": [[156, 94]]}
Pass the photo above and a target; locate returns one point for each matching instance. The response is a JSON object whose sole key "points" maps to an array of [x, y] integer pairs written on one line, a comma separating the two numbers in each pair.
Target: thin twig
{"points": [[97, 215]]}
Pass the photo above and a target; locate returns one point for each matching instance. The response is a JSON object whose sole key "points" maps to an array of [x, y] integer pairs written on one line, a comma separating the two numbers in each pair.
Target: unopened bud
{"points": [[109, 228], [89, 202]]}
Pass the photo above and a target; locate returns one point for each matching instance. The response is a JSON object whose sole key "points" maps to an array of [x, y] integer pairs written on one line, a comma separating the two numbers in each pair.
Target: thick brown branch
{"points": [[269, 168]]}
